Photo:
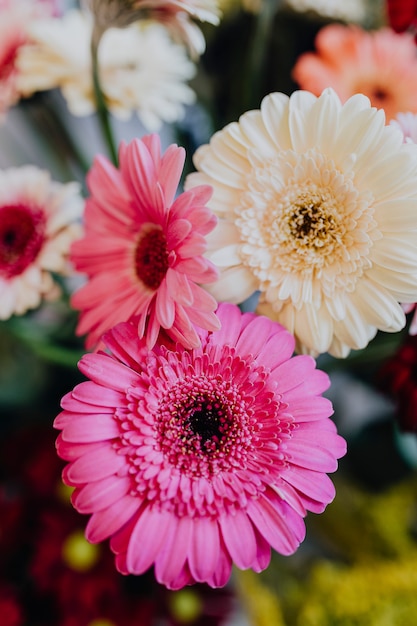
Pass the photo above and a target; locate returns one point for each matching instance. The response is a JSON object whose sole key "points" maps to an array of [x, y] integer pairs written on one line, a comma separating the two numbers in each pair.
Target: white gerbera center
{"points": [[304, 227]]}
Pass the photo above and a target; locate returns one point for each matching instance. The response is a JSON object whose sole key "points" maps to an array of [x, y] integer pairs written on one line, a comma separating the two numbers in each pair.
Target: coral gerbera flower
{"points": [[381, 65], [142, 250], [194, 459], [317, 208], [37, 226]]}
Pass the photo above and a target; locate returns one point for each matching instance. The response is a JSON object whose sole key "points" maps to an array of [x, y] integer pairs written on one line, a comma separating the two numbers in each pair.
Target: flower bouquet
{"points": [[208, 278]]}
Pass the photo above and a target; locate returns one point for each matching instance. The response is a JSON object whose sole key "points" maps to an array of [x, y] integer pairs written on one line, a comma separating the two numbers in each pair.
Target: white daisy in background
{"points": [[349, 11], [141, 69], [174, 14], [407, 123], [317, 210], [39, 220]]}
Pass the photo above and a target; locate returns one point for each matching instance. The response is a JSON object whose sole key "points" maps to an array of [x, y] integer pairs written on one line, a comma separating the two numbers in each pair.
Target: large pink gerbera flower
{"points": [[38, 222], [143, 250], [191, 460], [381, 65]]}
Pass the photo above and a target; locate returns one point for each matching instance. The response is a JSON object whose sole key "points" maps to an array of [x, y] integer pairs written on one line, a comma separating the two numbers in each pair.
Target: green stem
{"points": [[102, 111], [258, 51]]}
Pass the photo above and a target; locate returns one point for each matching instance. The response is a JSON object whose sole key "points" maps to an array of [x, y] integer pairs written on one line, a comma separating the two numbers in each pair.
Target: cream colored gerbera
{"points": [[39, 220], [317, 206], [141, 69]]}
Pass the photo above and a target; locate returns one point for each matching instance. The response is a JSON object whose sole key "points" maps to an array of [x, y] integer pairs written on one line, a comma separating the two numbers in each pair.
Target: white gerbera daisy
{"points": [[318, 211], [174, 14], [39, 220], [351, 11], [141, 69]]}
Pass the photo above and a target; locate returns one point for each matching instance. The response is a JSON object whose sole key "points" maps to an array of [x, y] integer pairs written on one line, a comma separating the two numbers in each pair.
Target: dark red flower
{"points": [[11, 611], [398, 378], [402, 14]]}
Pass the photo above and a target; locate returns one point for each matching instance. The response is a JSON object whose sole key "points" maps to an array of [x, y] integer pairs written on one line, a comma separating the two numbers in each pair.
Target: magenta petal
{"points": [[277, 349], [315, 485], [169, 562], [119, 542], [230, 318], [101, 494], [71, 451], [184, 578], [146, 540], [274, 525], [310, 409], [204, 549], [91, 393], [254, 336], [104, 370], [124, 343], [223, 569], [263, 555], [239, 538], [293, 373], [312, 455], [91, 428], [105, 523], [99, 463]]}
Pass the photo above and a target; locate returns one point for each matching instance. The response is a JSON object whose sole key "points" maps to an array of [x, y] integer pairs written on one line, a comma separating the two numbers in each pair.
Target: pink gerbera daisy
{"points": [[191, 460], [143, 250], [381, 65]]}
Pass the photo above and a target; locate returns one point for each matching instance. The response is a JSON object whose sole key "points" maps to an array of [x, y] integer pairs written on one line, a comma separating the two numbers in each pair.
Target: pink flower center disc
{"points": [[151, 258], [21, 238]]}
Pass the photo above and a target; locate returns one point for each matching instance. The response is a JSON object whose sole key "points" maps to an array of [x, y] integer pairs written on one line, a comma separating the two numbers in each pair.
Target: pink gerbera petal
{"points": [[201, 461], [138, 243]]}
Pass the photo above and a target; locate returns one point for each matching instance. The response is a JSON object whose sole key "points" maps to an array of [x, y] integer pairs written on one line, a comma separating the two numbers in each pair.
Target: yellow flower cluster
{"points": [[369, 581]]}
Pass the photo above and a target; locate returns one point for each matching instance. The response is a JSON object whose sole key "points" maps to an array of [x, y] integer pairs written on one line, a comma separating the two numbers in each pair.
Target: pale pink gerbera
{"points": [[15, 17], [381, 65], [38, 223], [191, 460], [142, 249]]}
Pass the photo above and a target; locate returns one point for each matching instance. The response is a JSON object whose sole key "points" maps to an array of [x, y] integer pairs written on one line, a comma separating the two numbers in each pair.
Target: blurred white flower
{"points": [[141, 69], [347, 10], [407, 123], [174, 14]]}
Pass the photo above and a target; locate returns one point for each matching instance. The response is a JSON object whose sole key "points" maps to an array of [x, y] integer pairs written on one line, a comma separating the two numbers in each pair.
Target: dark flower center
{"points": [[21, 238], [208, 421], [151, 258], [311, 223]]}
